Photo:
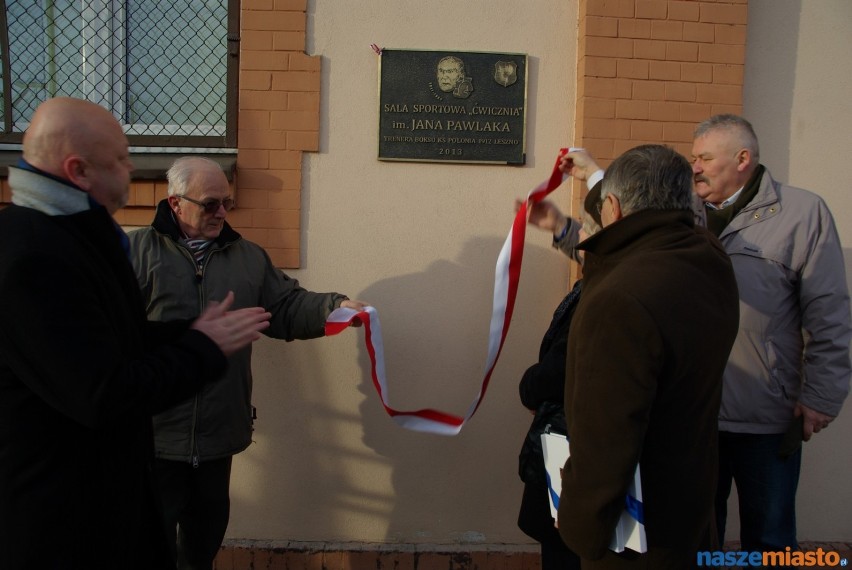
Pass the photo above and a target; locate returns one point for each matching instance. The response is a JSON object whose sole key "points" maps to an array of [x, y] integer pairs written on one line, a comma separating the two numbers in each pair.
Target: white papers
{"points": [[629, 531], [555, 448]]}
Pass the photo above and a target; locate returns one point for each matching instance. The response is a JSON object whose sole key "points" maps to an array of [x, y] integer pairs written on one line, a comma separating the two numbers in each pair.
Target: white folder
{"points": [[629, 531]]}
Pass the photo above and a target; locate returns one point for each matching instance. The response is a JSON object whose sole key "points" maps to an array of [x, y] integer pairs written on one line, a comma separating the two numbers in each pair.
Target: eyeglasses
{"points": [[211, 206]]}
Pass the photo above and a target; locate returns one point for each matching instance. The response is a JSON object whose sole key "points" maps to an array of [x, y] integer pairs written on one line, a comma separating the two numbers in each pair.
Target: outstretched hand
{"points": [[231, 330], [355, 305], [545, 215]]}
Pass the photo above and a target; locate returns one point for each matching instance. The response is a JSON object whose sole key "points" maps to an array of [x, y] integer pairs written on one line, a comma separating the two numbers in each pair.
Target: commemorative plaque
{"points": [[440, 106]]}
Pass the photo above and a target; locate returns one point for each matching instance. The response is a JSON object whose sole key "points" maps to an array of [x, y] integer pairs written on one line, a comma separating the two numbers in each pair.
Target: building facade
{"points": [[329, 471]]}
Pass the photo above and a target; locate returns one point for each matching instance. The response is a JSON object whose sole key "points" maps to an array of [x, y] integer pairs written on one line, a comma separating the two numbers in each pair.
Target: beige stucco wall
{"points": [[798, 84], [419, 241]]}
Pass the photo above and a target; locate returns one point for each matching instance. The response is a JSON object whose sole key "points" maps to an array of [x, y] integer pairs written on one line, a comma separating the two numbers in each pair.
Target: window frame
{"points": [[225, 141]]}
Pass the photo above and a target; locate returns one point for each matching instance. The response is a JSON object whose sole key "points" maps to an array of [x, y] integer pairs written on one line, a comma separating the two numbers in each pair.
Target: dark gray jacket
{"points": [[217, 422]]}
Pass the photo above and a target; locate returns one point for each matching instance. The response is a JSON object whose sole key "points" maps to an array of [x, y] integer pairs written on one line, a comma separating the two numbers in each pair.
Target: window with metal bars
{"points": [[167, 70]]}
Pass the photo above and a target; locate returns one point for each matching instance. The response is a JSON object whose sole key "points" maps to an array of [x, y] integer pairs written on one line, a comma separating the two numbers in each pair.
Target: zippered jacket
{"points": [[217, 422], [793, 340]]}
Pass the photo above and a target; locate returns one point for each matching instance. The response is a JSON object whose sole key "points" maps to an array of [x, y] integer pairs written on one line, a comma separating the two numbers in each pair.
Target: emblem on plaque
{"points": [[505, 73]]}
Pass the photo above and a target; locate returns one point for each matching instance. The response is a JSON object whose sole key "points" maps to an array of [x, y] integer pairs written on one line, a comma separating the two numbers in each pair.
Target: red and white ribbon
{"points": [[506, 276]]}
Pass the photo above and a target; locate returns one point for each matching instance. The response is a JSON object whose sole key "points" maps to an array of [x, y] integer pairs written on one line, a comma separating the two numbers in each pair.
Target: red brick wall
{"points": [[279, 102], [140, 205], [278, 121], [649, 70]]}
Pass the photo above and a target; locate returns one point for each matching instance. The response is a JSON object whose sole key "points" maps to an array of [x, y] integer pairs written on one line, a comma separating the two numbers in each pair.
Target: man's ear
{"points": [[174, 204], [616, 208], [75, 169], [743, 159]]}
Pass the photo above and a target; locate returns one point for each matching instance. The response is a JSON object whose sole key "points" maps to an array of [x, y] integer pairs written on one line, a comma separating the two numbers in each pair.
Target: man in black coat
{"points": [[542, 391], [646, 350], [81, 369]]}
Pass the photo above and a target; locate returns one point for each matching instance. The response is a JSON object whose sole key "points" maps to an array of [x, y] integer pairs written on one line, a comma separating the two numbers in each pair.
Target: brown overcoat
{"points": [[646, 351]]}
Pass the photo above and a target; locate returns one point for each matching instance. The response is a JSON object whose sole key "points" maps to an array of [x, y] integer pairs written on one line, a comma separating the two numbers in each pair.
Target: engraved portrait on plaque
{"points": [[452, 106], [451, 77]]}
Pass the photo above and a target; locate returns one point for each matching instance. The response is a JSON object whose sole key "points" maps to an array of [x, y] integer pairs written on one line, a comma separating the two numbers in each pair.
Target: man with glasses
{"points": [[188, 256]]}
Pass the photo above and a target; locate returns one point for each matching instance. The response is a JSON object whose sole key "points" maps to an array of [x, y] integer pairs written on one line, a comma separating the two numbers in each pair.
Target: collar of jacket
{"points": [[165, 223], [765, 194], [39, 190], [765, 205], [636, 231]]}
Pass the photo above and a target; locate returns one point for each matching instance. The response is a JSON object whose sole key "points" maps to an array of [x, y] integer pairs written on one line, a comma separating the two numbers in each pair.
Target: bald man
{"points": [[188, 256], [81, 369]]}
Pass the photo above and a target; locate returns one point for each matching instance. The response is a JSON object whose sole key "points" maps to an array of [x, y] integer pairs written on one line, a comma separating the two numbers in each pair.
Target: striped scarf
{"points": [[198, 247]]}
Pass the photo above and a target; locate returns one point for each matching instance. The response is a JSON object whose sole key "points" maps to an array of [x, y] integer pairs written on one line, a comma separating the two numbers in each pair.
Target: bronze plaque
{"points": [[441, 106]]}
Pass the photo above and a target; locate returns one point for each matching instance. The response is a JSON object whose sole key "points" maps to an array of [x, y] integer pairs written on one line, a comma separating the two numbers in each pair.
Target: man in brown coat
{"points": [[646, 351]]}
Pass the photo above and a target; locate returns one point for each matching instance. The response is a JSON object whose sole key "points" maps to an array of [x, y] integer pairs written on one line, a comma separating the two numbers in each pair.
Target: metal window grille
{"points": [[167, 70]]}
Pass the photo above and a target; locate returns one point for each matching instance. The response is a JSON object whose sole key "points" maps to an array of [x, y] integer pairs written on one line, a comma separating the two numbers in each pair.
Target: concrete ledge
{"points": [[294, 555], [147, 166], [321, 546]]}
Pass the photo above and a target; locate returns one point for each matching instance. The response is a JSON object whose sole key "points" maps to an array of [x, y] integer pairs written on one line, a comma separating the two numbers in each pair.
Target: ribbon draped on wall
{"points": [[506, 277]]}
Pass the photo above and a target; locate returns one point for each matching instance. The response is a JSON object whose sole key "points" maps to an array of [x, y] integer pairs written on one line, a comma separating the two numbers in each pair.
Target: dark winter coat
{"points": [[542, 390], [217, 421], [79, 380], [647, 348]]}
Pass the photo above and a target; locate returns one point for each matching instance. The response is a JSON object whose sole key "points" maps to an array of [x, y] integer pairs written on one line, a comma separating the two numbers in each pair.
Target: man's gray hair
{"points": [[736, 125], [649, 177], [455, 60], [182, 170]]}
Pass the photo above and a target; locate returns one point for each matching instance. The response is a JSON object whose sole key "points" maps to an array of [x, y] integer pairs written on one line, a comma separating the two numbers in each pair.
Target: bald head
{"points": [[83, 143]]}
